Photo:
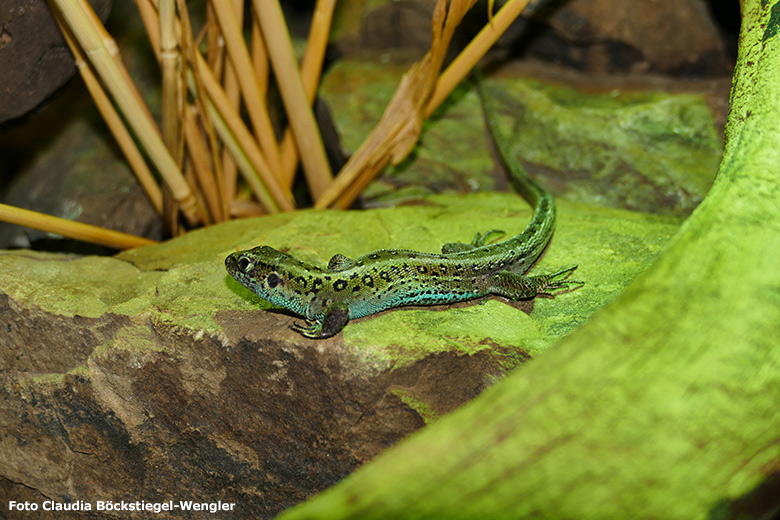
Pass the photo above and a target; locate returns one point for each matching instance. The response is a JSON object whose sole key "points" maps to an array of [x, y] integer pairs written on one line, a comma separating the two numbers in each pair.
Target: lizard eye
{"points": [[244, 264], [272, 280]]}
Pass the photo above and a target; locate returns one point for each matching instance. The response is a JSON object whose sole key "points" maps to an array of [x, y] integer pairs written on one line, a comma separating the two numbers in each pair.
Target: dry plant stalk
{"points": [[253, 99], [399, 129], [416, 98], [100, 49], [212, 131], [233, 93], [311, 70], [474, 51], [259, 55], [206, 160], [229, 125], [169, 61], [71, 229], [199, 155], [299, 112], [114, 122]]}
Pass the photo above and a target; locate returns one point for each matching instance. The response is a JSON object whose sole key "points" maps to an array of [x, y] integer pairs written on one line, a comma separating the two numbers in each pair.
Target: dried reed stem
{"points": [[233, 93], [399, 128], [299, 112], [259, 54], [148, 14], [199, 158], [474, 51], [253, 99], [232, 130], [209, 162], [78, 18], [71, 229], [235, 126], [311, 69], [215, 44], [402, 132], [169, 62], [246, 163], [114, 122]]}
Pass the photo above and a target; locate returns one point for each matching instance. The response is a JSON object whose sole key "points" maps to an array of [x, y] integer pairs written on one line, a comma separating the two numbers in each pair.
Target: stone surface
{"points": [[33, 55], [670, 36], [649, 144], [667, 36], [153, 376]]}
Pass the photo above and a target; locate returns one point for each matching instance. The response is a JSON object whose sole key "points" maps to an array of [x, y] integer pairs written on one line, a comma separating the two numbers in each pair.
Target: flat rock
{"points": [[153, 376]]}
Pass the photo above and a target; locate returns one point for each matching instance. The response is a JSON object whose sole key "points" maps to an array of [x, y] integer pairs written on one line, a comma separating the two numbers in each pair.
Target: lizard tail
{"points": [[518, 175]]}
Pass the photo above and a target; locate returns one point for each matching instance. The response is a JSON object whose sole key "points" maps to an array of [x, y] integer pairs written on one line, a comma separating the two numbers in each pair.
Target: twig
{"points": [[71, 229], [299, 112], [239, 55], [75, 14], [311, 69]]}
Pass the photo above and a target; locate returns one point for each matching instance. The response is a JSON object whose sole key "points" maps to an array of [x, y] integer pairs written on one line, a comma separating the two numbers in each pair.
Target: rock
{"points": [[153, 376], [666, 36], [662, 36], [33, 55], [650, 144]]}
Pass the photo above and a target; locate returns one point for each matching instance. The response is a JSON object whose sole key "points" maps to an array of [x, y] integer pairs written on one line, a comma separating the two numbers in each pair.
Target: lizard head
{"points": [[259, 269], [269, 273]]}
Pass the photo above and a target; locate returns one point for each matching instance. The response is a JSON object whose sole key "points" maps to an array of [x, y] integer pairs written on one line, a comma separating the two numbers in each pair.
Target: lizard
{"points": [[353, 288]]}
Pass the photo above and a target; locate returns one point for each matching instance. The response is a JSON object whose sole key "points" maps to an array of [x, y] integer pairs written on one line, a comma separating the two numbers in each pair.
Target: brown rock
{"points": [[33, 55], [663, 36], [137, 406]]}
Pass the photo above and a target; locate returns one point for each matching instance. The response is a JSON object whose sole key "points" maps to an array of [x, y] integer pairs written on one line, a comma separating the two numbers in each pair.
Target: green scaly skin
{"points": [[329, 297]]}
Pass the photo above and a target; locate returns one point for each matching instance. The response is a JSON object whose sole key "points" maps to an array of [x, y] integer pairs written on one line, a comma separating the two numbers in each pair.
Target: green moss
{"points": [[69, 285], [415, 403], [401, 337], [610, 246], [650, 151]]}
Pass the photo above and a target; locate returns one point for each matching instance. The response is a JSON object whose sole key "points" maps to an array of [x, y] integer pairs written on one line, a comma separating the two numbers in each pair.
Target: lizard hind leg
{"points": [[480, 240], [519, 287]]}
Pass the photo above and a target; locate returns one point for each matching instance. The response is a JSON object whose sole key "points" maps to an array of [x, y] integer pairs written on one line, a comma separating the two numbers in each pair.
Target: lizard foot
{"points": [[336, 316], [550, 284]]}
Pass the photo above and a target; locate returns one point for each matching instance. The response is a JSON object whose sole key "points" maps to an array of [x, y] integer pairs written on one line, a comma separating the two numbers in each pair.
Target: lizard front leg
{"points": [[336, 316]]}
